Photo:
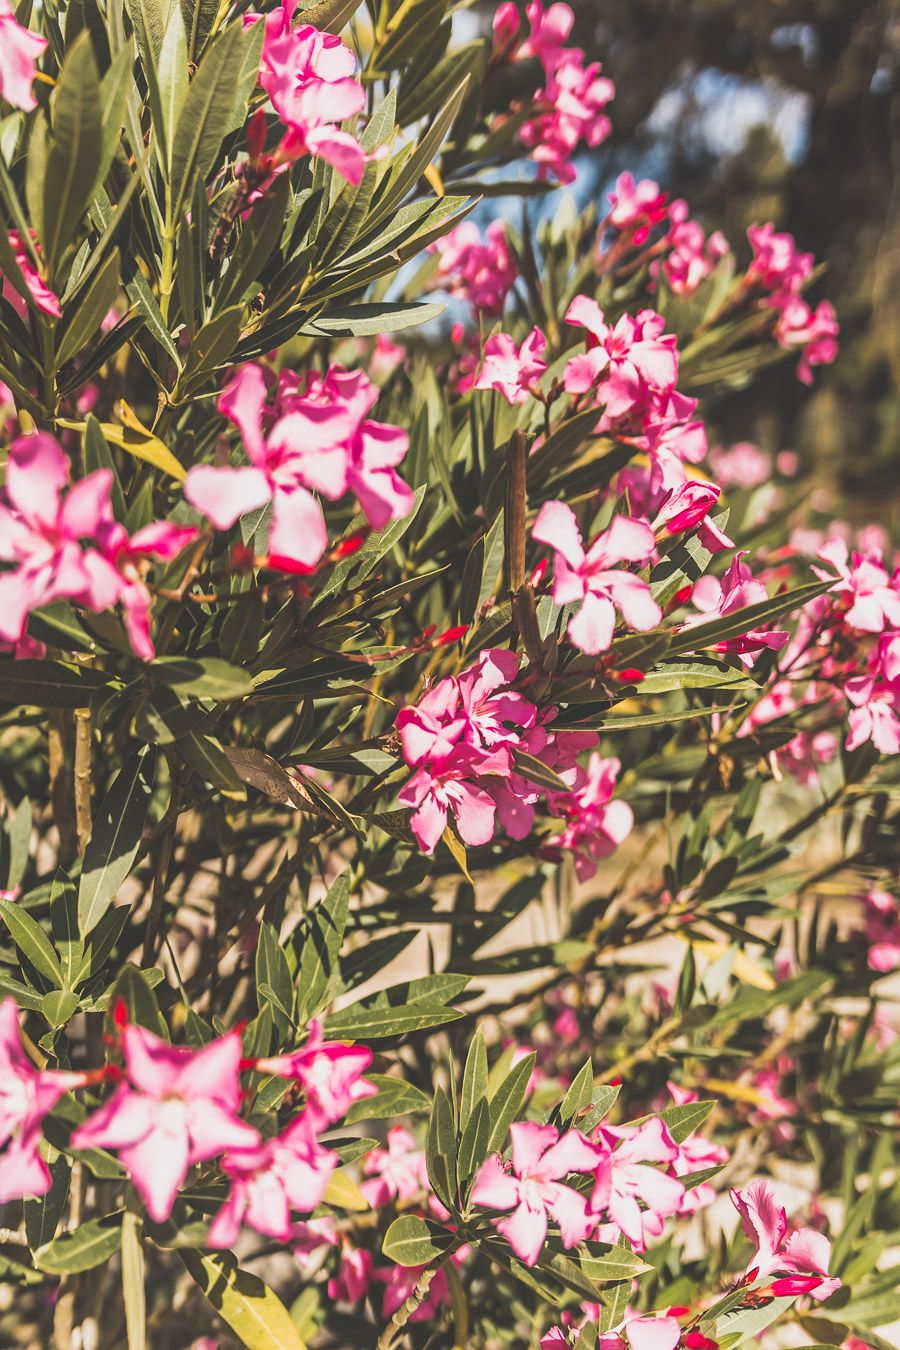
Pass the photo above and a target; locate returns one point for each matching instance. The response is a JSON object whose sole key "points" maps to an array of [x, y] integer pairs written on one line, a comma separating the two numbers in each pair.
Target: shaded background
{"points": [[783, 110]]}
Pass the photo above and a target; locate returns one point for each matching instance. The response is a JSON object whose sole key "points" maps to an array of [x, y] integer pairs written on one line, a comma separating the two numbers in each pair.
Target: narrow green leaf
{"points": [[88, 1246], [118, 825], [32, 942], [133, 1281], [507, 1101]]}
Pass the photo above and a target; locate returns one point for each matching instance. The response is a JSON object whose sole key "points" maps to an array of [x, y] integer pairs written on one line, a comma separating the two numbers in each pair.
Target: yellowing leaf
{"points": [[253, 1311], [344, 1193], [747, 971], [458, 849], [130, 434]]}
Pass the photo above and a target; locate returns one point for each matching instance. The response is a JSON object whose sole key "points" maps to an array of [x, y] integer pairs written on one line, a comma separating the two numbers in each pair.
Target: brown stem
{"points": [[83, 739], [400, 1318]]}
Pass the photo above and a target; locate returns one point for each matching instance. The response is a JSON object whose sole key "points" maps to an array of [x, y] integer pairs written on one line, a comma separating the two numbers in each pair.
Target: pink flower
{"points": [[742, 465], [331, 1075], [310, 78], [549, 30], [636, 206], [626, 1174], [512, 370], [320, 441], [594, 824], [354, 1276], [576, 96], [483, 272], [43, 534], [872, 595], [776, 263], [633, 366], [178, 1107], [805, 1254], [19, 50], [396, 1172], [687, 507], [873, 714], [40, 292], [882, 930], [534, 1188], [269, 1180], [594, 578], [737, 590], [814, 331], [26, 1096], [399, 1283], [692, 256]]}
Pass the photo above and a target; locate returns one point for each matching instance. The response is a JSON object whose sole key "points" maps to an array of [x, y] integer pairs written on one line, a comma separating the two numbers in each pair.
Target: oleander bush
{"points": [[449, 832]]}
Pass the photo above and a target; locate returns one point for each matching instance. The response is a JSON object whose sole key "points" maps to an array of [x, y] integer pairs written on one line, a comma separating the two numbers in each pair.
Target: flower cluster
{"points": [[68, 544], [572, 102], [480, 270], [175, 1107], [463, 738], [310, 78], [311, 436]]}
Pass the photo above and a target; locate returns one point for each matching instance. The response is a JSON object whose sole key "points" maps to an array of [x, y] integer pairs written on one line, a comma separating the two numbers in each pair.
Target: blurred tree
{"points": [[786, 110]]}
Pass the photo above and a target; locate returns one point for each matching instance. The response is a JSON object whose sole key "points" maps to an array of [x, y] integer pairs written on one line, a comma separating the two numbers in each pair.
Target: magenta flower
{"points": [[396, 1172], [594, 825], [804, 1255], [632, 366], [310, 78], [26, 1096], [777, 264], [870, 592], [737, 589], [19, 50], [354, 1276], [692, 255], [512, 370], [687, 507], [882, 930], [44, 533], [178, 1107], [331, 1075], [534, 1188], [270, 1180], [636, 207], [480, 271], [873, 714], [38, 289], [318, 440], [595, 577], [452, 789], [814, 331], [575, 96], [626, 1174]]}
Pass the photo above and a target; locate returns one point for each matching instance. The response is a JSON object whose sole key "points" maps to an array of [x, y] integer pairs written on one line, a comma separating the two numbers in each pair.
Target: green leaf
{"points": [[18, 832], [118, 826], [473, 1146], [272, 972], [64, 922], [579, 1093], [133, 1281], [366, 320], [318, 943], [359, 1023], [49, 684], [537, 772], [58, 1006], [207, 755], [411, 1241], [608, 1264], [207, 677], [507, 1101], [395, 1097], [74, 150], [440, 1150], [207, 113], [172, 85], [43, 1213], [83, 319], [475, 1078], [97, 455], [682, 1121], [253, 1311], [32, 942], [88, 1246], [133, 987]]}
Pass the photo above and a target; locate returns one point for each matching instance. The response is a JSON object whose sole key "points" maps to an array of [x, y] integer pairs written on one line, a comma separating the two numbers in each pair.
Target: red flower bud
{"points": [[256, 135], [348, 546], [630, 675], [452, 635]]}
